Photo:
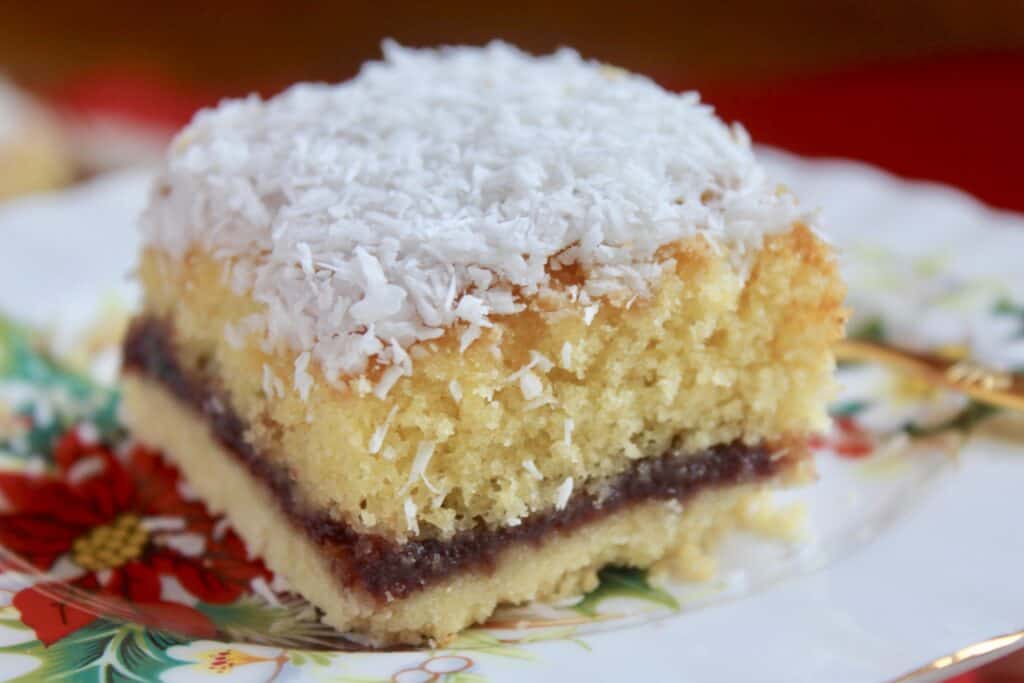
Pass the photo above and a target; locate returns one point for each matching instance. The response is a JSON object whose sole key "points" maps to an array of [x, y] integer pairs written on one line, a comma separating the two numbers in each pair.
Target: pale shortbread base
{"points": [[639, 536]]}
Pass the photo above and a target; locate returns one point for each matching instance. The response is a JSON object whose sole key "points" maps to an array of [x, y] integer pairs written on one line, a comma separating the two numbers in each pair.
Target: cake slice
{"points": [[465, 329]]}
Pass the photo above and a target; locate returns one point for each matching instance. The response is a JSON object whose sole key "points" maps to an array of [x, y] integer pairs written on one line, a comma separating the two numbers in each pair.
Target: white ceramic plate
{"points": [[914, 550]]}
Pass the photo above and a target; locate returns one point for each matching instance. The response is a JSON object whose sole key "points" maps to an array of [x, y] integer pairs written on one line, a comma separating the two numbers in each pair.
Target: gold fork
{"points": [[993, 387]]}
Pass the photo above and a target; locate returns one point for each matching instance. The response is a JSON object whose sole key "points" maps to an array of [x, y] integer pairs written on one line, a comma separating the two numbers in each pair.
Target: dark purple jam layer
{"points": [[388, 570]]}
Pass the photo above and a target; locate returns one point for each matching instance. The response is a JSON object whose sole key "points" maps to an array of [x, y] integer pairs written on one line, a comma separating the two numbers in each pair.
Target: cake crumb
{"points": [[541, 400], [689, 562], [764, 515]]}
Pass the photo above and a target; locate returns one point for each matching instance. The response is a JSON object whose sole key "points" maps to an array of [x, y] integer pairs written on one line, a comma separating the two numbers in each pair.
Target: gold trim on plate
{"points": [[983, 384], [978, 653]]}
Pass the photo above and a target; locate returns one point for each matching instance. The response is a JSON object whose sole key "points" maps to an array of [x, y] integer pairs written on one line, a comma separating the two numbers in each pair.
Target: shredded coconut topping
{"points": [[377, 438], [272, 384], [410, 516], [540, 361], [530, 385], [424, 452], [563, 494], [439, 187], [531, 467], [537, 360], [303, 380]]}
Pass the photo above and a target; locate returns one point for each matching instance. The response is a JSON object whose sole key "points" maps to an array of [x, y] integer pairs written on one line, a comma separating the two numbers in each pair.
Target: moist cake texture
{"points": [[467, 304]]}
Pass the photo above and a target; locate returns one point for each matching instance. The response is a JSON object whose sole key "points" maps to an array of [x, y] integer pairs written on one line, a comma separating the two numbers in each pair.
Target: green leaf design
{"points": [[477, 640], [871, 329], [1005, 306], [70, 398], [317, 657], [293, 621], [623, 582], [848, 408], [246, 613], [464, 678], [102, 651], [567, 633], [22, 357]]}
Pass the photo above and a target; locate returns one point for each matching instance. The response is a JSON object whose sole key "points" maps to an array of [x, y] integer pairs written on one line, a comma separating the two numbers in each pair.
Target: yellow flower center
{"points": [[111, 545], [223, 661]]}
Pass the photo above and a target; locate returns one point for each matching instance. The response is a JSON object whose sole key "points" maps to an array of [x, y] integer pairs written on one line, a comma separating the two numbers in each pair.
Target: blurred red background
{"points": [[929, 89]]}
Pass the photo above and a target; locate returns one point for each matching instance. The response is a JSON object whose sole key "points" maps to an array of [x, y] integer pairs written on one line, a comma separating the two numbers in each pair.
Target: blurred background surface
{"points": [[927, 89], [234, 46]]}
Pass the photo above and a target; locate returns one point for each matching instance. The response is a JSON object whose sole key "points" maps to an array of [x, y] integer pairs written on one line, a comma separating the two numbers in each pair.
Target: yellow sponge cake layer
{"points": [[710, 358]]}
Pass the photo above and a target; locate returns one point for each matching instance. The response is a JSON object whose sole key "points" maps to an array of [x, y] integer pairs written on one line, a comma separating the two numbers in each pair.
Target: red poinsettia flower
{"points": [[847, 439], [120, 531]]}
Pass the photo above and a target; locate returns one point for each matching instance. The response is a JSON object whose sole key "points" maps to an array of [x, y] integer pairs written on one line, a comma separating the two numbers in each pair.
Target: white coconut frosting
{"points": [[440, 187]]}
